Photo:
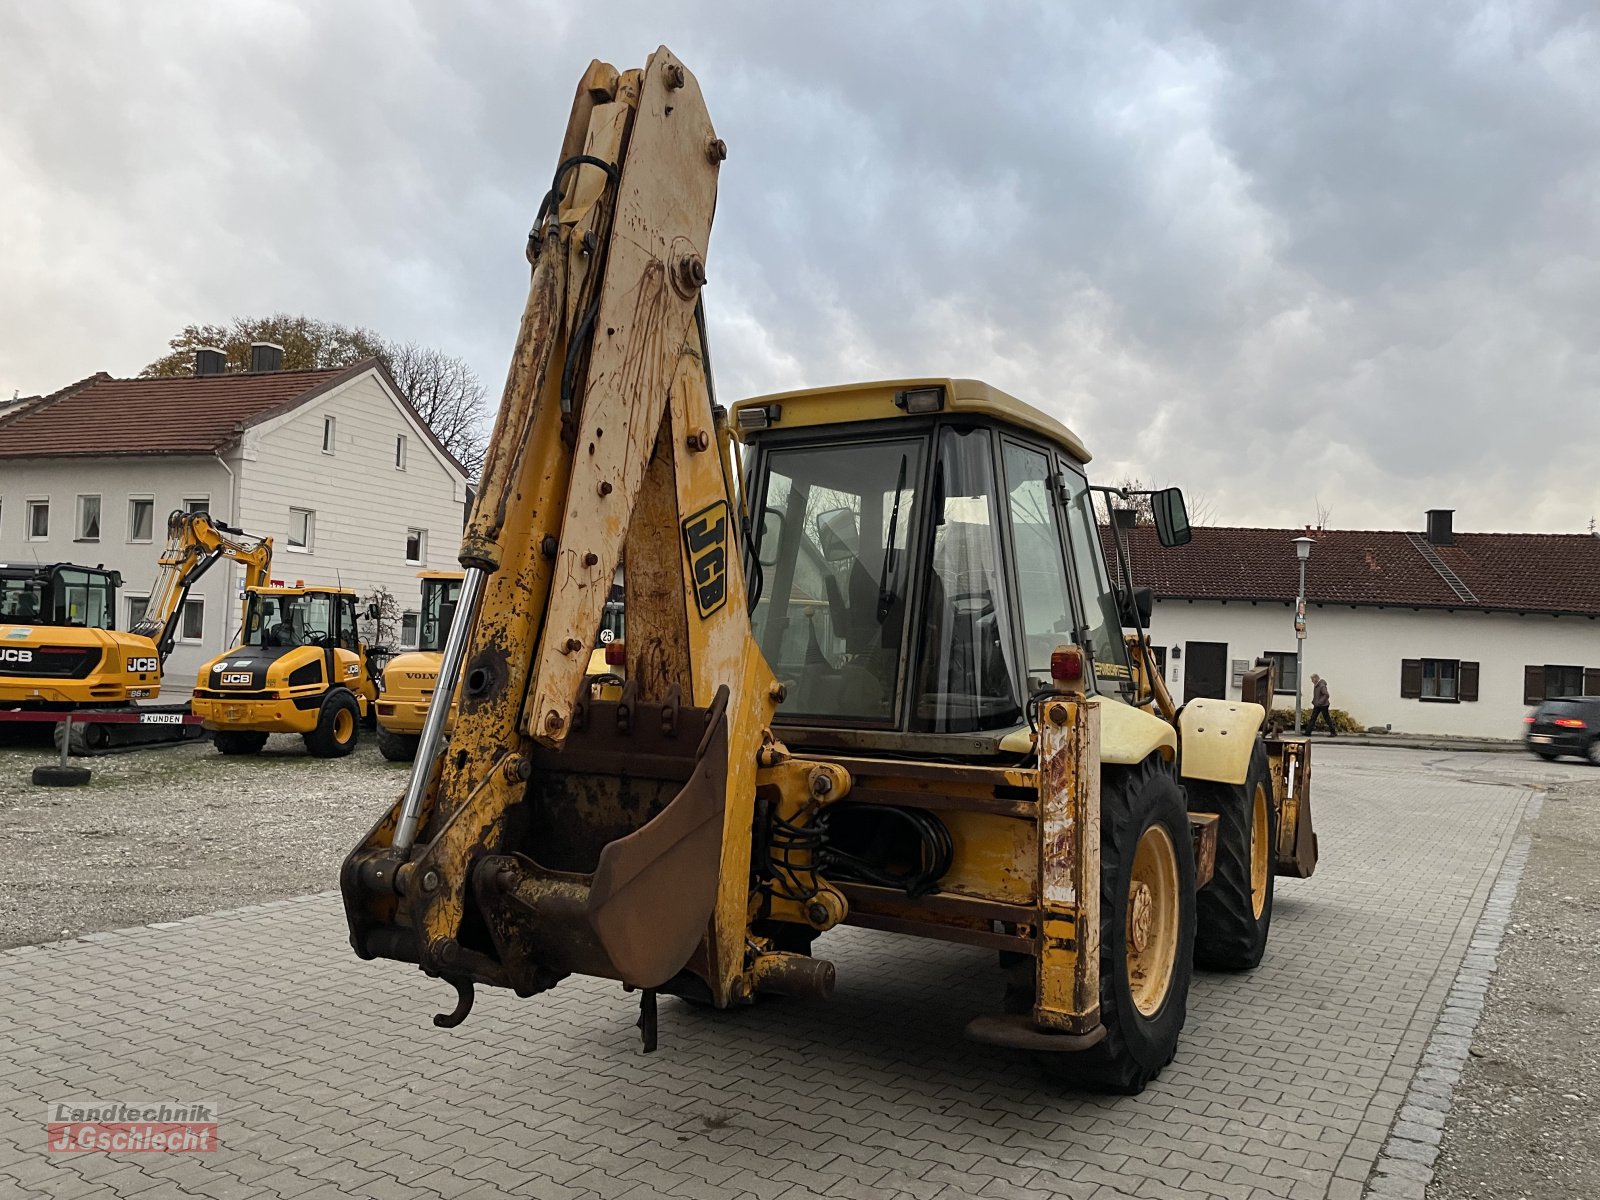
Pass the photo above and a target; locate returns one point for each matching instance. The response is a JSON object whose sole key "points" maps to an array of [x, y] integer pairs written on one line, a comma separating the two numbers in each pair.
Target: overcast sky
{"points": [[1276, 254]]}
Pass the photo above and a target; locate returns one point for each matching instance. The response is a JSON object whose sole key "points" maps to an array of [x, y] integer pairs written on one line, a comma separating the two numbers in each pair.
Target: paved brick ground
{"points": [[333, 1084]]}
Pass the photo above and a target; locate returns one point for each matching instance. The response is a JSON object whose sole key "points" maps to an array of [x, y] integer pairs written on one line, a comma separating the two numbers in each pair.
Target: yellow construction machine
{"points": [[409, 678], [877, 675], [300, 667], [60, 650]]}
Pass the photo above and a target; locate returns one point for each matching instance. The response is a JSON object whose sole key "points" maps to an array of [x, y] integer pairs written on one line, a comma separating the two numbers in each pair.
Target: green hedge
{"points": [[1342, 720]]}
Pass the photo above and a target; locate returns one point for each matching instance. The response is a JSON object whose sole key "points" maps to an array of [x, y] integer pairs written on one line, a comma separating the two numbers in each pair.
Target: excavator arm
{"points": [[563, 833], [196, 540]]}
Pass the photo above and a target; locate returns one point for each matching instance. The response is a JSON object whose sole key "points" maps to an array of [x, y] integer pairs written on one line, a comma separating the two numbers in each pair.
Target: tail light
{"points": [[1066, 665], [616, 655], [1569, 722], [1528, 720]]}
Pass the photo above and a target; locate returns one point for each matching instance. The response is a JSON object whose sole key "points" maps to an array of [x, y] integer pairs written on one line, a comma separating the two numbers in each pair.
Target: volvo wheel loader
{"points": [[877, 675], [60, 649], [409, 678], [300, 667]]}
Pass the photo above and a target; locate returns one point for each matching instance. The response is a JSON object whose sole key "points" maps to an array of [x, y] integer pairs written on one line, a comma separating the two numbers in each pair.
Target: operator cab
{"points": [[920, 548], [58, 594], [278, 619], [440, 595]]}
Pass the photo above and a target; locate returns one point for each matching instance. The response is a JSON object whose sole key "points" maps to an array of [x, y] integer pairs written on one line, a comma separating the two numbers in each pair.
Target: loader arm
{"points": [[562, 833], [194, 542]]}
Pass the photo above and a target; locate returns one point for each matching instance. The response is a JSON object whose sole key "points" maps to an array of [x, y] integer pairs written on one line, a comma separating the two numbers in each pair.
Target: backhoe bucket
{"points": [[1296, 851], [624, 833]]}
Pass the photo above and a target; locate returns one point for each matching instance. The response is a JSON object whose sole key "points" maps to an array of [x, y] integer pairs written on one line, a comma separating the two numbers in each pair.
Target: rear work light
{"points": [[920, 400], [1569, 722], [759, 416]]}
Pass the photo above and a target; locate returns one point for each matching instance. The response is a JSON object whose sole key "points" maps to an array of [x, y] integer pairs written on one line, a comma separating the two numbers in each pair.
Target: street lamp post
{"points": [[1302, 549]]}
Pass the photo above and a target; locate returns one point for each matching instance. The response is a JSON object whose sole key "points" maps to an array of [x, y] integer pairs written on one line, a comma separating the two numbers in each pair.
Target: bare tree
{"points": [[445, 392], [1199, 506], [1324, 512]]}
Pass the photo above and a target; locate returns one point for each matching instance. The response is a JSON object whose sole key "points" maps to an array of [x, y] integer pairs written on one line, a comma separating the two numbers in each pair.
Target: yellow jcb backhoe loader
{"points": [[300, 667], [60, 649], [879, 681]]}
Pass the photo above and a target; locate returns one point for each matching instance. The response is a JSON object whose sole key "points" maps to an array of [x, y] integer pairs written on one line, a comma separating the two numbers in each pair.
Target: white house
{"points": [[333, 465], [1437, 632]]}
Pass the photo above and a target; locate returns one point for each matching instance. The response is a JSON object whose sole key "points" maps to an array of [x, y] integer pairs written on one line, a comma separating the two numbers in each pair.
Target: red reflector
{"points": [[1066, 664], [616, 655], [1569, 722]]}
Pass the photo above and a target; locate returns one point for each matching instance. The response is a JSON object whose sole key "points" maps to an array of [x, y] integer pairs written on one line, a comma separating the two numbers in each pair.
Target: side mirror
{"points": [[1136, 609], [1171, 518], [771, 533], [373, 612], [837, 535]]}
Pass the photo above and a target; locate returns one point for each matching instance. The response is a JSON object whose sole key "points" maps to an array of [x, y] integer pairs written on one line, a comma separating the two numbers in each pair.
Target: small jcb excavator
{"points": [[300, 667], [60, 650], [409, 678], [876, 675]]}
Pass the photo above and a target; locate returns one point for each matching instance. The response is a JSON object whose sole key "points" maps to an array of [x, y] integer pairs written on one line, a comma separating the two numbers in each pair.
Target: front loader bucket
{"points": [[623, 841]]}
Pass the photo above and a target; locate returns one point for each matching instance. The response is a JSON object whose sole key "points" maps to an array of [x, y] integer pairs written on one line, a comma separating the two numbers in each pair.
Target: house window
{"points": [[416, 545], [408, 629], [141, 518], [193, 628], [1562, 681], [137, 607], [197, 504], [327, 435], [1159, 653], [400, 453], [88, 519], [302, 527], [38, 520], [1285, 670], [1445, 680]]}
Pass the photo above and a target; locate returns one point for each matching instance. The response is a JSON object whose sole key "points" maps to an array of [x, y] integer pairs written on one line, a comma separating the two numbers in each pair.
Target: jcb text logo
{"points": [[144, 664], [12, 655], [705, 537], [237, 678]]}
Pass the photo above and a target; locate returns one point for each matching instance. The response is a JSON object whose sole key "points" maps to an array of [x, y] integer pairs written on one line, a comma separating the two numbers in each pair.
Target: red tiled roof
{"points": [[186, 415], [1516, 572]]}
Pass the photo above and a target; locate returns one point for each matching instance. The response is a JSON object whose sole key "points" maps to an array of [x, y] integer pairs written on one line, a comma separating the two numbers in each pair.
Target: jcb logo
{"points": [[705, 537], [13, 655], [237, 678], [352, 670], [135, 665]]}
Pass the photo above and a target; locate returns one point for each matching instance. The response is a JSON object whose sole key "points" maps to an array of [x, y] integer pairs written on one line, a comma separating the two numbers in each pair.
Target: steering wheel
{"points": [[316, 637], [973, 605]]}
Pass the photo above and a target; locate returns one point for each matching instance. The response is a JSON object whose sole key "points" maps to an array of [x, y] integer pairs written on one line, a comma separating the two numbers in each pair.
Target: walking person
{"points": [[1320, 706]]}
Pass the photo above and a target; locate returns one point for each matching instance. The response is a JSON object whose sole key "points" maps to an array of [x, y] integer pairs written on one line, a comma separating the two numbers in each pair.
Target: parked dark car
{"points": [[1567, 726]]}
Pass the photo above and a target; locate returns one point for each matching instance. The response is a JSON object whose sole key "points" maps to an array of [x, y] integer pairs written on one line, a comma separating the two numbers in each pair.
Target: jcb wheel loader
{"points": [[60, 649], [300, 667], [876, 673]]}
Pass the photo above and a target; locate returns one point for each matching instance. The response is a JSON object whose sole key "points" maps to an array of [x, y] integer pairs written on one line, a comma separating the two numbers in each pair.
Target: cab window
{"points": [[1101, 633], [1045, 600]]}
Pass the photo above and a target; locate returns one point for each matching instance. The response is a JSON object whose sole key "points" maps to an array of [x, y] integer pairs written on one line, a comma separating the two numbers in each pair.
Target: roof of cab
{"points": [[874, 401]]}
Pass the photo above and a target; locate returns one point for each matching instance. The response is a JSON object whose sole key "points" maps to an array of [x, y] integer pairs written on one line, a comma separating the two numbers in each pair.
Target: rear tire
{"points": [[398, 747], [338, 728], [1593, 754], [238, 741], [1234, 910], [1147, 872]]}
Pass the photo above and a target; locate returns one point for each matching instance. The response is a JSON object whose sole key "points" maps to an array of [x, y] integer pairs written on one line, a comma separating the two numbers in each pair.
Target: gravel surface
{"points": [[1525, 1121], [172, 832]]}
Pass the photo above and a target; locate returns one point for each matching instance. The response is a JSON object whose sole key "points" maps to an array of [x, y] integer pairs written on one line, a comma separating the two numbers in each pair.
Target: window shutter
{"points": [[1411, 679], [1467, 681], [1533, 685], [1591, 681]]}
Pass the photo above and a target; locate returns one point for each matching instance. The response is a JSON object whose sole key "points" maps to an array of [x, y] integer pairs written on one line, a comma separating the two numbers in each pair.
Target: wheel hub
{"points": [[1141, 914]]}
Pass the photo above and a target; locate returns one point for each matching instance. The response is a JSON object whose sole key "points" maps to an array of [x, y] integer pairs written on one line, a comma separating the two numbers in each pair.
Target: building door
{"points": [[1205, 670]]}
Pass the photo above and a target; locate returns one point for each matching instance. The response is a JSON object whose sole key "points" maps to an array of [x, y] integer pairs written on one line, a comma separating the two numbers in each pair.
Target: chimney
{"points": [[208, 360], [1439, 522], [266, 356]]}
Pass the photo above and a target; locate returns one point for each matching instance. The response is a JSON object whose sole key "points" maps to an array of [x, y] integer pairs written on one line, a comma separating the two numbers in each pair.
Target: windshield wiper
{"points": [[885, 592]]}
